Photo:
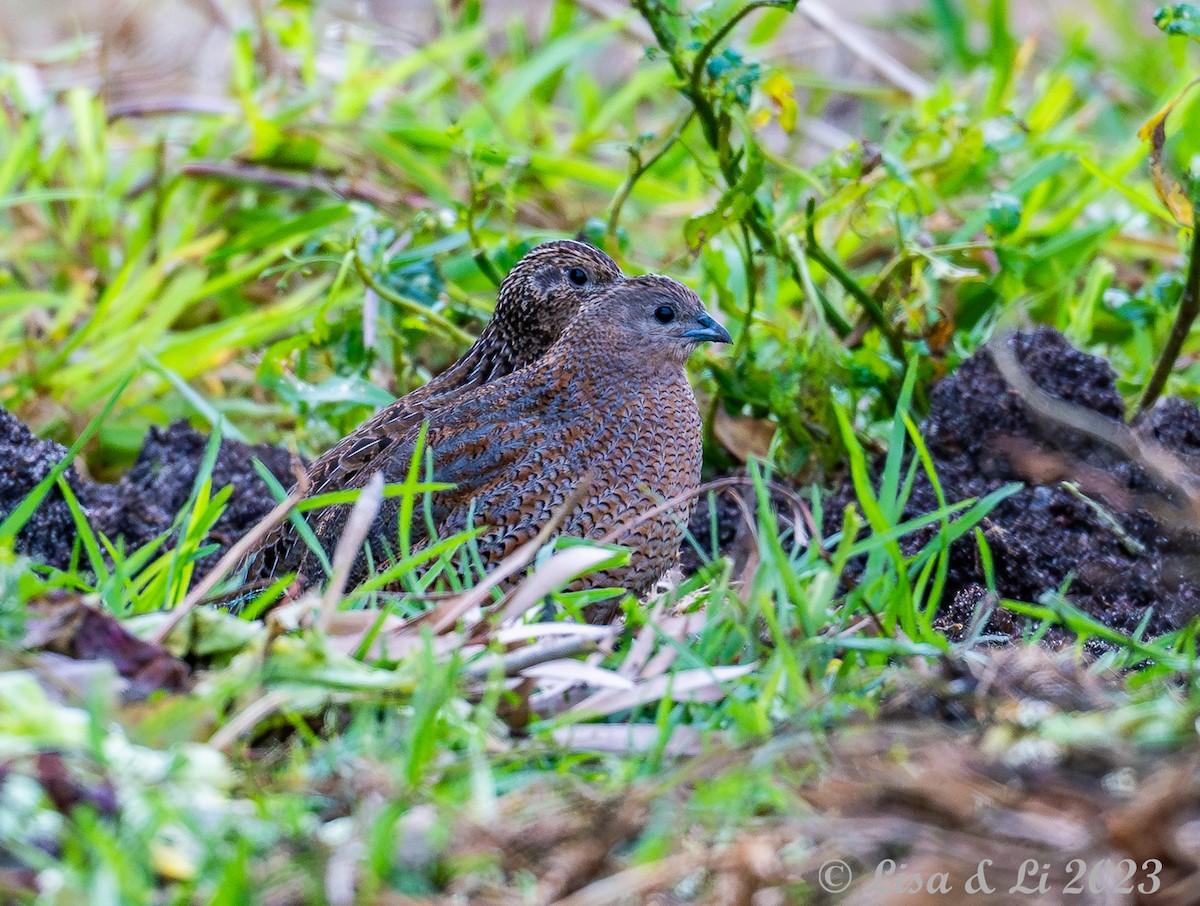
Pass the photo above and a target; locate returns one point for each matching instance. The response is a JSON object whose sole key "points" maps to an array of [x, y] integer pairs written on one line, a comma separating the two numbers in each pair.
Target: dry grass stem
{"points": [[358, 526]]}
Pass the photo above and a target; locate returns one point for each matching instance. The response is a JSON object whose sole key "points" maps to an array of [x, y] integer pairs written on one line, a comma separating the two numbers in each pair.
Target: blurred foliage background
{"points": [[275, 216], [281, 214]]}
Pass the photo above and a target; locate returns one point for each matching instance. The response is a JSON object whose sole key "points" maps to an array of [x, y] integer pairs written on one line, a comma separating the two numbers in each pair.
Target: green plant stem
{"points": [[1189, 308], [743, 343], [639, 169], [833, 317], [481, 259], [710, 46], [715, 134], [708, 114], [835, 270], [448, 327]]}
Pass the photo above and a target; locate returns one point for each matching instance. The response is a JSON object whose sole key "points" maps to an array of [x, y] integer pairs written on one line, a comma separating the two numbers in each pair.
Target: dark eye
{"points": [[578, 276], [664, 314]]}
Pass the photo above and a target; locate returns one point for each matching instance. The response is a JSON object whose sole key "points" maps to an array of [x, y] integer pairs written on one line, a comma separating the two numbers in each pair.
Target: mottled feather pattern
{"points": [[609, 400], [536, 301], [600, 402]]}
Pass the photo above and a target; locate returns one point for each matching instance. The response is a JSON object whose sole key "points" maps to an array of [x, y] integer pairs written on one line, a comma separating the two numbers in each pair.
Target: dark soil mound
{"points": [[144, 503], [982, 434], [25, 460]]}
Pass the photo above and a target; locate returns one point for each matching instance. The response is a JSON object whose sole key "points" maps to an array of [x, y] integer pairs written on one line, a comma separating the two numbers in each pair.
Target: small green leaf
{"points": [[1180, 19]]}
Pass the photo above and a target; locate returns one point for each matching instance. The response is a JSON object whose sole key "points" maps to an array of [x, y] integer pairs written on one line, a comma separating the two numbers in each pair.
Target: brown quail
{"points": [[537, 299], [611, 398]]}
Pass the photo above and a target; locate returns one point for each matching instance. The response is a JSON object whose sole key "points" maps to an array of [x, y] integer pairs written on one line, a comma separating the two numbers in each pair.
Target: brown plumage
{"points": [[610, 398], [537, 299]]}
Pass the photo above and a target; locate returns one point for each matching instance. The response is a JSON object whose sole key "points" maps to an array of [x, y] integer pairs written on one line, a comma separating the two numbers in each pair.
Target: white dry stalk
{"points": [[660, 663], [730, 481], [514, 662], [447, 614], [559, 570], [700, 684], [1157, 459], [643, 645], [551, 699], [366, 508], [525, 631], [677, 628], [633, 26], [865, 49], [579, 672], [631, 739], [248, 718]]}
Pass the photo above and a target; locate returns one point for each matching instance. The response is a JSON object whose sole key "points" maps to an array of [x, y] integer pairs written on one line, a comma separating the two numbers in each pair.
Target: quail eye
{"points": [[664, 314], [578, 276]]}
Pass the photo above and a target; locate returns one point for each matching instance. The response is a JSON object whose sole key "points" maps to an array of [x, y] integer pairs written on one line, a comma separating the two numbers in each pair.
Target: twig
{"points": [[288, 182], [674, 502], [170, 106], [1189, 308], [607, 11], [869, 52]]}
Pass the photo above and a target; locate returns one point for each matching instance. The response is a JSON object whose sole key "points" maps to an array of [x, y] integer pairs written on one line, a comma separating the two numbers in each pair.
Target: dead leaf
{"points": [[1170, 192], [72, 627], [742, 435]]}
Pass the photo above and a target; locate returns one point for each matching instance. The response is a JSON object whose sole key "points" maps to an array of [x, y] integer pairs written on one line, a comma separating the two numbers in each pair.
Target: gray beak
{"points": [[708, 330]]}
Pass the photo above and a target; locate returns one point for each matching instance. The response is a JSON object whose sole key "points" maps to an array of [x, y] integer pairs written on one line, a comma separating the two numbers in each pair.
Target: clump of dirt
{"points": [[1121, 539], [144, 503], [723, 511], [25, 460]]}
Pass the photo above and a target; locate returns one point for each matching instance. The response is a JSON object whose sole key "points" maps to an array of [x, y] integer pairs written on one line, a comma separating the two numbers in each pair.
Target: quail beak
{"points": [[708, 330]]}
